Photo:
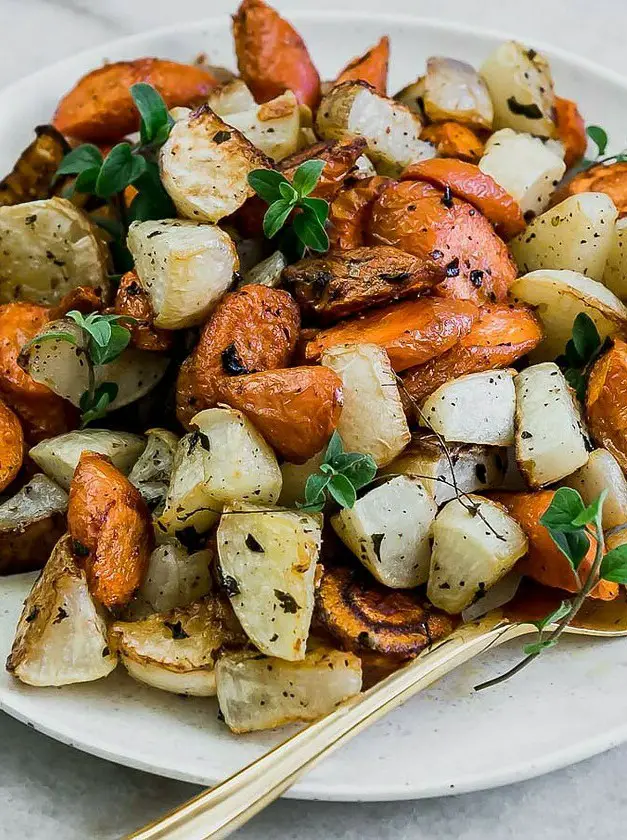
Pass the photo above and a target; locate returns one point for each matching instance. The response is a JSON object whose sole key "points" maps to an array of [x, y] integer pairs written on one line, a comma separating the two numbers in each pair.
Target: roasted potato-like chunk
{"points": [[446, 233], [571, 130], [344, 282], [100, 108], [152, 469], [366, 616], [268, 272], [392, 131], [271, 55], [205, 165], [31, 178], [453, 90], [472, 550], [258, 692], [606, 401], [615, 274], [411, 332], [610, 179], [109, 519], [273, 127], [47, 248], [11, 445], [31, 522], [134, 301], [453, 140], [371, 67], [502, 335], [602, 472], [174, 578], [349, 212], [232, 97], [295, 477], [61, 636]]}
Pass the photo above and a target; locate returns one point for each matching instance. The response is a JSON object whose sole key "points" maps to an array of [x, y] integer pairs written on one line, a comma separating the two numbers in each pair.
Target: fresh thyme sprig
{"points": [[571, 526]]}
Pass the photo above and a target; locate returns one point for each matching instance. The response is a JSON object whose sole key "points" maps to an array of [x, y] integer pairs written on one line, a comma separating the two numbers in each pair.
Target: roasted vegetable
{"points": [[571, 130], [32, 175], [152, 469], [110, 522], [174, 578], [610, 179], [602, 472], [11, 446], [134, 301], [453, 140], [61, 636], [606, 401], [271, 55], [366, 616], [232, 97], [31, 522], [84, 299], [349, 212], [100, 108], [295, 477], [615, 274], [268, 272], [371, 67], [273, 127], [453, 90]]}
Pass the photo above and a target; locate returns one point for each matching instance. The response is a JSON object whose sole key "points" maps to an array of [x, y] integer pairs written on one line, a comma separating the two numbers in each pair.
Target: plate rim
{"points": [[306, 790]]}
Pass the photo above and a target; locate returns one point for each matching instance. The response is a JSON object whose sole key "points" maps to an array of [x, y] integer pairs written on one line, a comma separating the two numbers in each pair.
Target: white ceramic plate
{"points": [[447, 740]]}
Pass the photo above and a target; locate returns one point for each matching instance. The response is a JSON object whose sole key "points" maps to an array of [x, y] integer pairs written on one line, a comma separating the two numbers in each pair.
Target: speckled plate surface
{"points": [[446, 740]]}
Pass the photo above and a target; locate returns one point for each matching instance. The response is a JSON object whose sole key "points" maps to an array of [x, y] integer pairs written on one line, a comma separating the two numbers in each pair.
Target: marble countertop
{"points": [[49, 790]]}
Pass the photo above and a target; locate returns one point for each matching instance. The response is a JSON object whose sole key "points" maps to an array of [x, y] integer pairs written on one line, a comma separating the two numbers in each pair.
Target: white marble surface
{"points": [[48, 790]]}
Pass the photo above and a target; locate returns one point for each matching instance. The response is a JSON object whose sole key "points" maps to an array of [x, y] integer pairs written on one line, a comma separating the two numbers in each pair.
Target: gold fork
{"points": [[221, 810]]}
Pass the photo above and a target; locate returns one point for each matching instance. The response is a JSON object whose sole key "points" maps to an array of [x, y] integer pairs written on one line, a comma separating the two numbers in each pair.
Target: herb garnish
{"points": [[341, 475], [571, 526], [600, 139], [580, 352], [284, 198]]}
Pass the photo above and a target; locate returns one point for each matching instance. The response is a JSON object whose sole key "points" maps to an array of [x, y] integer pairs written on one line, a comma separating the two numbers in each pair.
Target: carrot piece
{"points": [[606, 401], [502, 334], [371, 67], [454, 140], [100, 108], [84, 299], [411, 332], [446, 232], [571, 130], [610, 179], [295, 409], [544, 561], [468, 182], [109, 519], [134, 301], [43, 413], [11, 446], [271, 55], [350, 210]]}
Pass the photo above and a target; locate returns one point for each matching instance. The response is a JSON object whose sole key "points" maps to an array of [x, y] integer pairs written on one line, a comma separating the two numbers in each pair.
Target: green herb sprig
{"points": [[571, 526], [340, 475], [580, 352], [285, 198], [600, 139]]}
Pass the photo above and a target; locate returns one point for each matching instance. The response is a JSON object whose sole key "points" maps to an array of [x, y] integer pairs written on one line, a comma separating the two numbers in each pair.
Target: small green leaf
{"points": [[592, 513], [361, 472], [95, 408], [153, 112], [318, 206], [553, 617], [315, 489], [86, 181], [574, 545], [81, 159], [327, 469], [342, 491], [276, 216], [535, 648], [599, 137], [577, 382], [307, 175], [291, 246], [100, 331], [266, 182], [565, 506], [310, 231], [76, 316], [120, 168], [288, 192], [152, 201], [117, 344], [614, 565], [586, 338], [335, 447]]}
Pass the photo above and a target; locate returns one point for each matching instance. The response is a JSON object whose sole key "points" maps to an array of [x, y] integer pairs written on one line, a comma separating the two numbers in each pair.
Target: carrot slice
{"points": [[466, 181], [454, 140], [571, 130], [606, 401], [446, 232], [11, 446], [350, 210], [134, 301], [411, 332], [544, 561], [610, 179], [271, 55], [84, 299], [100, 108], [371, 67]]}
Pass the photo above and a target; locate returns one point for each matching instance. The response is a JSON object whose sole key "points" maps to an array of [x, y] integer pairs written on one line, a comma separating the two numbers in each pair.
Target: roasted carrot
{"points": [[468, 182], [610, 179], [454, 140], [502, 334], [133, 300], [544, 561], [271, 55], [606, 401], [11, 445], [446, 232], [295, 409], [100, 108], [371, 67], [411, 332], [571, 130], [111, 527], [350, 210], [84, 299]]}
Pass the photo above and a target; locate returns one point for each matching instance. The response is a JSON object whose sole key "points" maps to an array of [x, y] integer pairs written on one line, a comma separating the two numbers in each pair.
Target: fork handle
{"points": [[217, 812]]}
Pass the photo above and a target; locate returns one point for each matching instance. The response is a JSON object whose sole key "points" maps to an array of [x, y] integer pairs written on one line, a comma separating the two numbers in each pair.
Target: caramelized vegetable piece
{"points": [[344, 282], [503, 333], [371, 67], [43, 413], [349, 212], [454, 140], [571, 130], [109, 518], [31, 177], [11, 446], [100, 108], [133, 300], [411, 332], [364, 615], [271, 55], [251, 330], [606, 401], [295, 409], [544, 561], [444, 232], [84, 299], [610, 179], [468, 182]]}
